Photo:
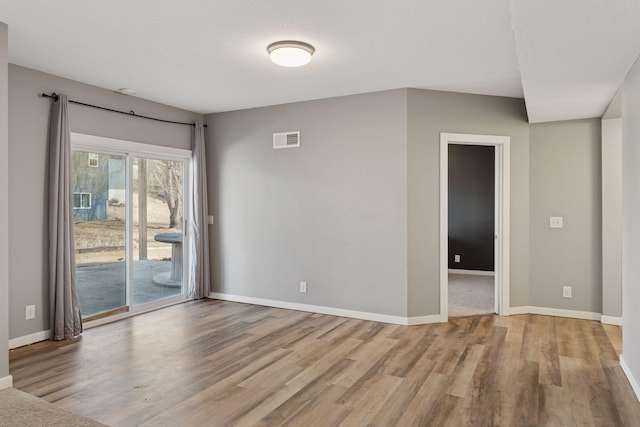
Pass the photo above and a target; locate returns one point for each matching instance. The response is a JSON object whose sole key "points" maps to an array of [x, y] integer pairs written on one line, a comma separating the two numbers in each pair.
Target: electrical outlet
{"points": [[303, 287], [556, 222], [30, 312], [210, 219], [456, 258], [566, 292]]}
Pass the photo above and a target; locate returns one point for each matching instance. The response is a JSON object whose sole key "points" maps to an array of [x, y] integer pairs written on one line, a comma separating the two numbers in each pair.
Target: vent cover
{"points": [[286, 139]]}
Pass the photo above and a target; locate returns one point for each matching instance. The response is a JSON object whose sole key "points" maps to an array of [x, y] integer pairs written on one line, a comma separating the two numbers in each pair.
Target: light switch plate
{"points": [[210, 219], [555, 222]]}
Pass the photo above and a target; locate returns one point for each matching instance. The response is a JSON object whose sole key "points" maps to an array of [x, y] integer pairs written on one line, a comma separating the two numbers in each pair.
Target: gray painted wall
{"points": [[630, 223], [432, 112], [29, 118], [343, 210], [612, 217], [354, 212], [4, 209], [331, 213], [566, 181]]}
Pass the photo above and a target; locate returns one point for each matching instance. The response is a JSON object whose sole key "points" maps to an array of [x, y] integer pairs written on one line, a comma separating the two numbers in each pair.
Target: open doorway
{"points": [[481, 250], [471, 229]]}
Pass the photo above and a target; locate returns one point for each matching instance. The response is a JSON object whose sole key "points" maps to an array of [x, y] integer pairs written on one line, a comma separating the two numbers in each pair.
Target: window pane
{"points": [[99, 232], [157, 229]]}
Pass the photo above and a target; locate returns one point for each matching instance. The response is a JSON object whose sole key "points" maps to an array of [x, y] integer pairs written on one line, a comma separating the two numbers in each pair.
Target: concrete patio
{"points": [[102, 287]]}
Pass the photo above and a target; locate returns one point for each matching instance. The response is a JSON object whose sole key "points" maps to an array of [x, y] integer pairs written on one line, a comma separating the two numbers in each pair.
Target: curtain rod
{"points": [[54, 96]]}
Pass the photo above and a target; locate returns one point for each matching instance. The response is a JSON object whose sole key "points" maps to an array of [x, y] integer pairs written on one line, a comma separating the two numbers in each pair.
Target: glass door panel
{"points": [[129, 211], [157, 220], [99, 214]]}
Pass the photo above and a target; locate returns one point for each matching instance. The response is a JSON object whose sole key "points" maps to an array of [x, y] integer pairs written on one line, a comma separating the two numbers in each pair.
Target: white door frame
{"points": [[502, 202]]}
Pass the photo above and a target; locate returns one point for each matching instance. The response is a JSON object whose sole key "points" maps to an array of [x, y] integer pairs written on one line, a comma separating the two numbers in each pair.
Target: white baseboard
{"points": [[363, 315], [29, 339], [632, 379], [6, 382], [558, 312], [471, 272], [611, 320], [425, 320]]}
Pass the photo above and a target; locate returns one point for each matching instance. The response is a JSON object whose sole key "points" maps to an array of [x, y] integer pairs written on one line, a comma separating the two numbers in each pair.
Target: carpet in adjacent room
{"points": [[470, 295], [24, 410]]}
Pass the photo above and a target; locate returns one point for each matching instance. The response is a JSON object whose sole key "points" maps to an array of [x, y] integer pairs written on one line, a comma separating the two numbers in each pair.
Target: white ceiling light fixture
{"points": [[290, 53]]}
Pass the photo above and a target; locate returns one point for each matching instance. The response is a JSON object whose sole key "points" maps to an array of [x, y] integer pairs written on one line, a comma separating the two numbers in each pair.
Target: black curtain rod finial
{"points": [[53, 96]]}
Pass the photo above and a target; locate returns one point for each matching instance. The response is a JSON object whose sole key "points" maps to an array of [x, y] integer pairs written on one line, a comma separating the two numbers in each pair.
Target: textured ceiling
{"points": [[574, 54], [210, 55]]}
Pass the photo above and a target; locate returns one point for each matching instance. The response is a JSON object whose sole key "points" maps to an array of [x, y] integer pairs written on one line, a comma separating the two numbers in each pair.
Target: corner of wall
{"points": [[630, 376], [5, 378], [630, 225]]}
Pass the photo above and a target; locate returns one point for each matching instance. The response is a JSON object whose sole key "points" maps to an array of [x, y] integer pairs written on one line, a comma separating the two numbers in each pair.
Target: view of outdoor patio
{"points": [[100, 236]]}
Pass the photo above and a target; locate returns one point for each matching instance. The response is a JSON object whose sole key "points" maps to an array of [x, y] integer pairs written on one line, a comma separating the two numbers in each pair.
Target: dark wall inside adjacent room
{"points": [[471, 206]]}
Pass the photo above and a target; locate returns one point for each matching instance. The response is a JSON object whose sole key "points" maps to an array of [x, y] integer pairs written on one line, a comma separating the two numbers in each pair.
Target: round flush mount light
{"points": [[290, 53], [127, 91]]}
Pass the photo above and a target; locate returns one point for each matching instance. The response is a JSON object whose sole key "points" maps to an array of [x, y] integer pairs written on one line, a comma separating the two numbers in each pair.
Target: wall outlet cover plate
{"points": [[556, 222]]}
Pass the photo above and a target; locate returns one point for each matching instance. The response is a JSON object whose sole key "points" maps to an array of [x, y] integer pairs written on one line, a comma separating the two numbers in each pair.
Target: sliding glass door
{"points": [[129, 215], [158, 216], [99, 214]]}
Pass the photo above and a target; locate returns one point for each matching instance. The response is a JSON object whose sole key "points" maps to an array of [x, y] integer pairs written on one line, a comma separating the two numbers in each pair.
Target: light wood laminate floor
{"points": [[215, 363]]}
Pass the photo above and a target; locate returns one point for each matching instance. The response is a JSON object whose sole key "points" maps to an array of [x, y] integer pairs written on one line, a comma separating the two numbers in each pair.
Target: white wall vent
{"points": [[286, 139]]}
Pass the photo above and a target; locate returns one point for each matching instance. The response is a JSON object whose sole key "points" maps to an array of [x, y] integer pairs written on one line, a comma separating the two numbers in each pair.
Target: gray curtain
{"points": [[199, 233], [66, 321]]}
